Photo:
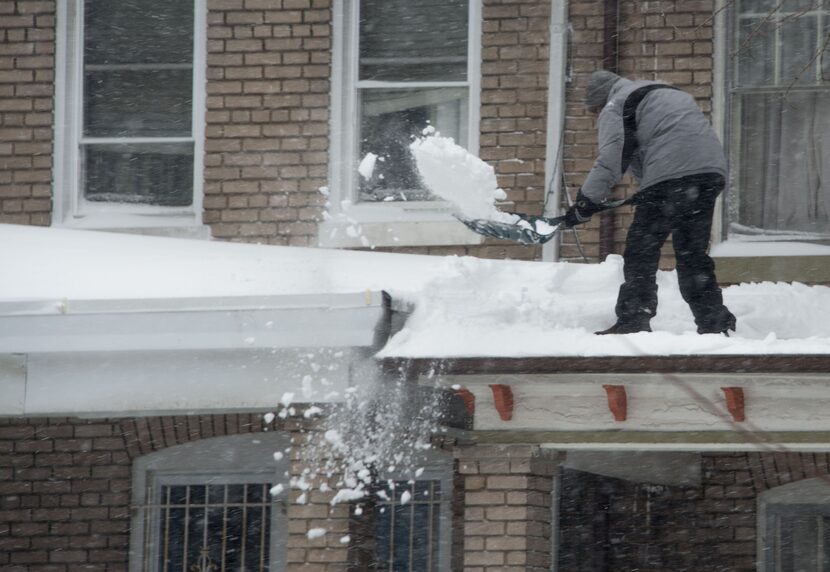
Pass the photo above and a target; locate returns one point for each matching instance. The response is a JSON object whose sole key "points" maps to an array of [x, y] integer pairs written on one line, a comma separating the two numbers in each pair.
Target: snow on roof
{"points": [[464, 306]]}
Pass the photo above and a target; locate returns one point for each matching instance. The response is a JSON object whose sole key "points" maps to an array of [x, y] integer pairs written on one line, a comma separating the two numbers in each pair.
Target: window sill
{"points": [[427, 223], [808, 269], [344, 234], [184, 226]]}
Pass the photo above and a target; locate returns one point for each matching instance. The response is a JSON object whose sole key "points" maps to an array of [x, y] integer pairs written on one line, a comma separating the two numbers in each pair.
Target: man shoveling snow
{"points": [[658, 132]]}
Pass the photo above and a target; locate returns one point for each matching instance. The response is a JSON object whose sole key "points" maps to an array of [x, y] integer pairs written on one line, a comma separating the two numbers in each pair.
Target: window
{"points": [[794, 527], [780, 119], [129, 121], [399, 67], [206, 506], [408, 527], [406, 523]]}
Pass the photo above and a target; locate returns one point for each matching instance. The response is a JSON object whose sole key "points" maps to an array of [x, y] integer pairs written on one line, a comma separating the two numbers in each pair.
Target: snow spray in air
{"points": [[377, 435]]}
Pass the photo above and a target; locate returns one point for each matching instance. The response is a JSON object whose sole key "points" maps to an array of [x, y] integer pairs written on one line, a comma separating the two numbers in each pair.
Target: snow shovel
{"points": [[528, 229]]}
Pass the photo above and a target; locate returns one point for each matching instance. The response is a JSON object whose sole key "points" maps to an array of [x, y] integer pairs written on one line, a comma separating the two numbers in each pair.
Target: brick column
{"points": [[507, 507], [266, 141], [27, 74]]}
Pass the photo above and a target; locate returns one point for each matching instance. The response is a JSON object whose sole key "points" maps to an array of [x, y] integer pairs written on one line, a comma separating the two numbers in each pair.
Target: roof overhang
{"points": [[646, 403], [172, 355]]}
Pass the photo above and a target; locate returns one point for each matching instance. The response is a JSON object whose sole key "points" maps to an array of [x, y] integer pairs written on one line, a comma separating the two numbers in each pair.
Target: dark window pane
{"points": [[216, 494], [390, 119], [197, 494], [138, 31], [236, 494], [253, 538], [254, 494], [402, 40], [178, 495], [403, 531], [234, 541], [421, 538], [174, 553], [195, 535], [383, 536], [152, 174], [755, 52], [216, 550], [407, 534], [138, 103], [783, 168], [798, 50]]}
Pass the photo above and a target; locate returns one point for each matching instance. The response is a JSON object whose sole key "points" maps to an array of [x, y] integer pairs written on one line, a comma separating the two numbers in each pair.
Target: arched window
{"points": [[205, 506], [794, 527]]}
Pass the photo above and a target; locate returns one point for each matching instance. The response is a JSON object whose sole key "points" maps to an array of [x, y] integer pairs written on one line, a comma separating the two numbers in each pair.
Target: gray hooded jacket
{"points": [[674, 139]]}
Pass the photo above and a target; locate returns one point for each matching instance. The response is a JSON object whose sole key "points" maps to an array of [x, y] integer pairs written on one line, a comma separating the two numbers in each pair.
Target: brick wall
{"points": [[267, 119], [514, 91], [666, 40], [27, 47], [507, 517], [65, 487]]}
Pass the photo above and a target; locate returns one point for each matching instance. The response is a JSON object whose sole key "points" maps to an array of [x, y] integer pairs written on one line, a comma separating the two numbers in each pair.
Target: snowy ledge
{"points": [[464, 307], [729, 364]]}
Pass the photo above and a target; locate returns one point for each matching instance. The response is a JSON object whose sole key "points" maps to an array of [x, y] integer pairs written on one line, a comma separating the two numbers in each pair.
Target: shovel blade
{"points": [[525, 231]]}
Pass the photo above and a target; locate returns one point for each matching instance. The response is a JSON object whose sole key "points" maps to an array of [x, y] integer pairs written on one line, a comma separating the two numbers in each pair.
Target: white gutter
{"points": [[557, 71], [184, 356], [326, 320]]}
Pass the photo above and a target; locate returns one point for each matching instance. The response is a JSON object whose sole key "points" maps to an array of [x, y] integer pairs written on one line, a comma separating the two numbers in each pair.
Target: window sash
{"points": [[345, 177], [71, 208], [776, 22], [802, 222], [83, 69]]}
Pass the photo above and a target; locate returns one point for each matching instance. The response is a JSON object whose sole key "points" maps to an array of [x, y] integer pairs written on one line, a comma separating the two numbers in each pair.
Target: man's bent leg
{"points": [[691, 226], [637, 299]]}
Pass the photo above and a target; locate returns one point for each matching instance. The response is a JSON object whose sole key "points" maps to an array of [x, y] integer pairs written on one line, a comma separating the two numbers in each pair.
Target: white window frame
{"points": [[70, 209], [399, 223], [813, 493], [722, 121], [247, 459]]}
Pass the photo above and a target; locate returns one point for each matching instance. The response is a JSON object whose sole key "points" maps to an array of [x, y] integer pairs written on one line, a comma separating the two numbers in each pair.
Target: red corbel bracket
{"points": [[617, 401], [735, 402], [469, 399], [503, 398]]}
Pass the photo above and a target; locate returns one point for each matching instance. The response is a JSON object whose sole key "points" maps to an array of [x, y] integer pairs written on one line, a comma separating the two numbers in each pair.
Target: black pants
{"points": [[683, 208]]}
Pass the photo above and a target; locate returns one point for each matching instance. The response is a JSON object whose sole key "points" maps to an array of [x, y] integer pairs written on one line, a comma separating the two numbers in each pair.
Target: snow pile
{"points": [[451, 172], [489, 308], [463, 306]]}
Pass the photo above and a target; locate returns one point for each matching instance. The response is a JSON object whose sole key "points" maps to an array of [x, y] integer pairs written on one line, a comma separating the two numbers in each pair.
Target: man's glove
{"points": [[581, 211]]}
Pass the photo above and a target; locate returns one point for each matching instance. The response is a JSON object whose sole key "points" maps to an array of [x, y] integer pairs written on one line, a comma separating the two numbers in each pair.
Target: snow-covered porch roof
{"points": [[201, 316], [100, 324]]}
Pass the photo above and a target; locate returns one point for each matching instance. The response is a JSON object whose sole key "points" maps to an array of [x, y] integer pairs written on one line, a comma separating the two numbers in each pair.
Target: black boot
{"points": [[622, 327], [722, 326]]}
